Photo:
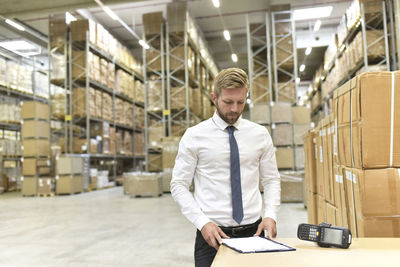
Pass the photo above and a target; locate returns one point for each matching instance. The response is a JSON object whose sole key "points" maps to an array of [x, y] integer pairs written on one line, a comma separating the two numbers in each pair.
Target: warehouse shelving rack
{"points": [[378, 21], [71, 122], [156, 43], [284, 72], [16, 95], [259, 59]]}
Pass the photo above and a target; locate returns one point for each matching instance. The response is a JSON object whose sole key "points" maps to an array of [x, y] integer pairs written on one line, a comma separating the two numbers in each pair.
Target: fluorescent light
{"points": [[302, 67], [310, 89], [144, 44], [15, 25], [203, 52], [248, 101], [17, 45], [69, 17], [227, 35], [216, 3], [312, 13], [317, 25], [234, 58], [308, 50], [297, 80], [110, 12]]}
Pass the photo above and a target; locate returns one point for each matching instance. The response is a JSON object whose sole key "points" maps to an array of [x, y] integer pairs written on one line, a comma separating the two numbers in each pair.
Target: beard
{"points": [[229, 117]]}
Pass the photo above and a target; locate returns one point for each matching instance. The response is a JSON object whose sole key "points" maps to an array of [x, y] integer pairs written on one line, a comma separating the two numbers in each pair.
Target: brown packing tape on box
{"points": [[366, 108]]}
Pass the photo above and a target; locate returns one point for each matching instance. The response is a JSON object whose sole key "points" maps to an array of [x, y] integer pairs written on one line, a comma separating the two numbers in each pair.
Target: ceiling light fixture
{"points": [[312, 13], [216, 3], [227, 35], [234, 58], [317, 25], [110, 12], [144, 44], [308, 51], [298, 80], [302, 67], [15, 25], [69, 17]]}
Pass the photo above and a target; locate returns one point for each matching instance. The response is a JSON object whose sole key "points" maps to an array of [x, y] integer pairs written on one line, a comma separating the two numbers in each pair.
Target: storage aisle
{"points": [[104, 228]]}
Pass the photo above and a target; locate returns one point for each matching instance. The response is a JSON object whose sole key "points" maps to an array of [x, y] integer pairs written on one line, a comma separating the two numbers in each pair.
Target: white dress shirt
{"points": [[204, 156]]}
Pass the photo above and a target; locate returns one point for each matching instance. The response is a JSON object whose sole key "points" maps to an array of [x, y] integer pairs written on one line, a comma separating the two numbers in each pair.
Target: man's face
{"points": [[230, 103]]}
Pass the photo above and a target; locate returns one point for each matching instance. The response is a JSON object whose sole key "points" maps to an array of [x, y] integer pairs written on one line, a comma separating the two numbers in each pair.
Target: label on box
{"points": [[316, 151], [321, 159], [339, 178], [351, 177], [335, 144]]}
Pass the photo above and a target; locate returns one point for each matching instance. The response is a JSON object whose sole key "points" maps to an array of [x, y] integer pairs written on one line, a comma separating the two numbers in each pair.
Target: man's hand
{"points": [[269, 225], [213, 234]]}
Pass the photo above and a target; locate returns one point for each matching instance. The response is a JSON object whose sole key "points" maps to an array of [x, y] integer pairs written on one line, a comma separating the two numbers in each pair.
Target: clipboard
{"points": [[255, 244]]}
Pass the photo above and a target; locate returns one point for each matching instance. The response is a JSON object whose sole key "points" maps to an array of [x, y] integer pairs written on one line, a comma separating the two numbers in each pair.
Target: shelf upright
{"points": [[259, 61], [157, 111]]}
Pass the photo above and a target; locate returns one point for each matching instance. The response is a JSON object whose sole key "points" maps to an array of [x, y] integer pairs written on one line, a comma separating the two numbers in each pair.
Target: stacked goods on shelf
{"points": [[103, 40], [69, 171], [346, 52], [139, 144], [197, 102], [281, 116], [156, 132], [10, 143], [139, 117], [357, 158], [99, 179], [287, 92], [20, 78], [208, 108], [139, 92], [301, 124], [57, 97], [154, 94], [124, 84], [35, 132], [143, 184], [169, 151]]}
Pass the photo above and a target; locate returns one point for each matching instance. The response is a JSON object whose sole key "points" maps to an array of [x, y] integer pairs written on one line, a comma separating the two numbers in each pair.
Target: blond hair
{"points": [[230, 78]]}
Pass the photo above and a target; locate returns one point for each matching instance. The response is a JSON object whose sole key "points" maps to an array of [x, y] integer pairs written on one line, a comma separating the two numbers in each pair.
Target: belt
{"points": [[234, 230]]}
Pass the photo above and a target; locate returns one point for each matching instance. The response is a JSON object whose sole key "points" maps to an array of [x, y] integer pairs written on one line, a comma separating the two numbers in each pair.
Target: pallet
{"points": [[46, 195], [146, 196]]}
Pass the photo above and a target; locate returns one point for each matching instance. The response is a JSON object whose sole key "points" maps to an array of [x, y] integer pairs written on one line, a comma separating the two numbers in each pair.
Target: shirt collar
{"points": [[222, 124]]}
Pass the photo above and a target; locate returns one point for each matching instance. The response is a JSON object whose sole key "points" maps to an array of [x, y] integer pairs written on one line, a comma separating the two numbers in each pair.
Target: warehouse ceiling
{"points": [[231, 16]]}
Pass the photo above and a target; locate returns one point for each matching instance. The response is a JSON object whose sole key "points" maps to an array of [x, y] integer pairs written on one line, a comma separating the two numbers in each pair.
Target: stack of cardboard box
{"points": [[354, 169], [170, 147], [143, 184], [36, 149], [69, 175]]}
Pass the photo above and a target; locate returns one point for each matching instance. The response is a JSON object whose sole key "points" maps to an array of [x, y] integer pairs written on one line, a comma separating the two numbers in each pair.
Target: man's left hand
{"points": [[268, 224]]}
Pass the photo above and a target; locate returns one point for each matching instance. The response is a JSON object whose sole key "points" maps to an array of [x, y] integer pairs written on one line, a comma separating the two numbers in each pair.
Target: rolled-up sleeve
{"points": [[270, 179], [182, 177]]}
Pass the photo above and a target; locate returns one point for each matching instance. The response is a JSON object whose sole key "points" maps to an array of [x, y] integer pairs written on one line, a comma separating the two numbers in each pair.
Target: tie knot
{"points": [[230, 129]]}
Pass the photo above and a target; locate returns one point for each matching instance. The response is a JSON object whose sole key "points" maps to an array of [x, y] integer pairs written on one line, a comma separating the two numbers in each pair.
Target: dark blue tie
{"points": [[237, 206]]}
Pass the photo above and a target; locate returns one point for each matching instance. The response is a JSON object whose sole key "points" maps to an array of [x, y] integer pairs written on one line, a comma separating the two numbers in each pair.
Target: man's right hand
{"points": [[212, 234]]}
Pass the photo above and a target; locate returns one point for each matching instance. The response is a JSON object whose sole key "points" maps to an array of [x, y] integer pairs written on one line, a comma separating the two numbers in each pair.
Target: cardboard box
{"points": [[282, 135], [170, 147], [35, 129], [299, 158], [301, 115], [298, 131], [45, 186], [330, 214], [35, 110], [260, 113], [69, 165], [287, 92], [322, 212], [155, 162], [326, 142], [29, 186], [155, 135], [291, 190], [260, 93], [379, 227], [79, 29], [367, 126], [35, 147], [33, 166], [340, 196], [166, 179], [176, 15], [310, 149], [312, 202], [284, 158], [152, 22], [319, 135], [281, 112], [69, 184], [144, 184]]}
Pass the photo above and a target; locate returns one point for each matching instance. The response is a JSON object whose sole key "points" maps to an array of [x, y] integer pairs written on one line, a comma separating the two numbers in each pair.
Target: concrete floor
{"points": [[104, 228]]}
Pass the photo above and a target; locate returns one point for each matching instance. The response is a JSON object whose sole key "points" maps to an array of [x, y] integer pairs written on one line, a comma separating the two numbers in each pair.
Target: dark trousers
{"points": [[204, 254]]}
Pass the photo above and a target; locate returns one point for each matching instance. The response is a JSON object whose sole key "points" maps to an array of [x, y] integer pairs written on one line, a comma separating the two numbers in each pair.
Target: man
{"points": [[226, 156]]}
